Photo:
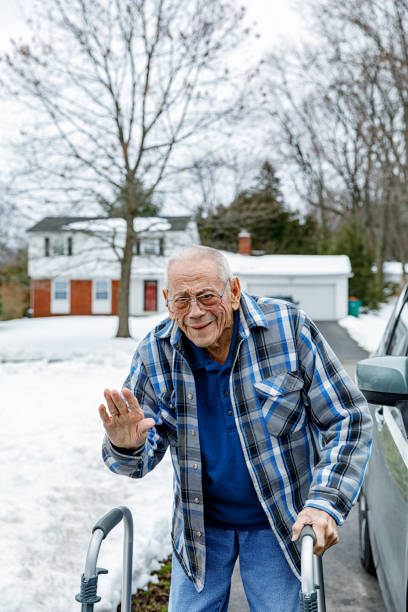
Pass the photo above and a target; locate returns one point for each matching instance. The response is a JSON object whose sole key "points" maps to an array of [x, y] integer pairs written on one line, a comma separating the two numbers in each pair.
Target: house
{"points": [[74, 268], [393, 272], [317, 283]]}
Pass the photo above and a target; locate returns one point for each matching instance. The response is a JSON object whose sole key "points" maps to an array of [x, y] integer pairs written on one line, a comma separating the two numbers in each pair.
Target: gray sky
{"points": [[275, 18], [276, 22]]}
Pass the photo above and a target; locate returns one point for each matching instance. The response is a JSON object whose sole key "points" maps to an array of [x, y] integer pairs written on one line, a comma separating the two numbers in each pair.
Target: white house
{"points": [[74, 267], [393, 272]]}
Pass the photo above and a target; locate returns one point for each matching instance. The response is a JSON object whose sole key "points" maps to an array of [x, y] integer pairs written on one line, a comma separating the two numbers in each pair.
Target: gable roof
{"points": [[60, 224]]}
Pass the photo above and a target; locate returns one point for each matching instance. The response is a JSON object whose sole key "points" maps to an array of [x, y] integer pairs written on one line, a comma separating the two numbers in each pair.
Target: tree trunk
{"points": [[125, 269]]}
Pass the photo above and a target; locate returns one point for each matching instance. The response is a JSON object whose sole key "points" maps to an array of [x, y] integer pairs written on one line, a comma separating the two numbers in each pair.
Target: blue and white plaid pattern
{"points": [[304, 426]]}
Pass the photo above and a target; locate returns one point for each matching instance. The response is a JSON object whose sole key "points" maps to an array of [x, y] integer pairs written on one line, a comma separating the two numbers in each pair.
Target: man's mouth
{"points": [[201, 326]]}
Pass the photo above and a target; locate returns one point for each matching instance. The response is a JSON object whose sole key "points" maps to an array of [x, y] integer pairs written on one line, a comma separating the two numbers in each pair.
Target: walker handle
{"points": [[308, 531], [108, 521]]}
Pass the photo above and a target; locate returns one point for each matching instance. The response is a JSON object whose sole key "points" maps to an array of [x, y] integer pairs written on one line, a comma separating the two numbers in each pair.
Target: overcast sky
{"points": [[276, 22], [276, 19]]}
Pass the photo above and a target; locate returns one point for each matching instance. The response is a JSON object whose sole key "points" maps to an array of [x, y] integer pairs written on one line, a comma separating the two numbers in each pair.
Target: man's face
{"points": [[205, 327]]}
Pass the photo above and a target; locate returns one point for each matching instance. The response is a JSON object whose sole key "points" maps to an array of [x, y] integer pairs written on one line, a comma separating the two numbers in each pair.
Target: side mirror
{"points": [[383, 380]]}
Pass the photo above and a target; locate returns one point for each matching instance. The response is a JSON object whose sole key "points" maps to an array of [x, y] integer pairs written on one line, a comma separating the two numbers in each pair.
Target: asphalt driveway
{"points": [[348, 587]]}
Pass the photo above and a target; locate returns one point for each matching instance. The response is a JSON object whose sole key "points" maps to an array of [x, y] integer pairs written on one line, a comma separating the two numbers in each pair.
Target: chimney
{"points": [[244, 242]]}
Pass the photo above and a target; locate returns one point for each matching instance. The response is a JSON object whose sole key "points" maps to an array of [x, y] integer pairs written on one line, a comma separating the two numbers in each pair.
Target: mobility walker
{"points": [[311, 594]]}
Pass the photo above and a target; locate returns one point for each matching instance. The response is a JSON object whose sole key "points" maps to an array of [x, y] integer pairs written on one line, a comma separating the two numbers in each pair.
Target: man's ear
{"points": [[164, 291], [235, 293]]}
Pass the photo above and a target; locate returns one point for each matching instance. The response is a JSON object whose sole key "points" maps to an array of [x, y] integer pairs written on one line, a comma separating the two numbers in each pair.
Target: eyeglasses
{"points": [[206, 300]]}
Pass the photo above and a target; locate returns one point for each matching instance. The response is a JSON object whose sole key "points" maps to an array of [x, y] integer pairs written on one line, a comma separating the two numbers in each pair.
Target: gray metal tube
{"points": [[318, 573], [306, 559], [127, 560], [92, 554]]}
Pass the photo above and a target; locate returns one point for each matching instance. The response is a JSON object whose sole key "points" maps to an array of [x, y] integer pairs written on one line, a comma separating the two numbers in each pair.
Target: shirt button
{"points": [[190, 396], [226, 393], [195, 466], [193, 432], [199, 534], [196, 500], [229, 412]]}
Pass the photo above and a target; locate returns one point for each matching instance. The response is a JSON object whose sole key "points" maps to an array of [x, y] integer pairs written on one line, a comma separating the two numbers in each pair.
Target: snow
{"points": [[54, 483], [282, 265], [140, 224], [394, 267], [367, 329]]}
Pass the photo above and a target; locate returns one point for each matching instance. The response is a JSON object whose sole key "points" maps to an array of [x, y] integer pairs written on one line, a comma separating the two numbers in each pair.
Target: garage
{"points": [[316, 283]]}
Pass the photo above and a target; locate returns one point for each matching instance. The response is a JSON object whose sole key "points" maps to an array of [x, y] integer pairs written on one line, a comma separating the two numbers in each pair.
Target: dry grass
{"points": [[156, 596]]}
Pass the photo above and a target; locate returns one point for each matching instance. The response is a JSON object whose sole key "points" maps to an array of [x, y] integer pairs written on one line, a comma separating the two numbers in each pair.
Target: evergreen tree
{"points": [[261, 211], [350, 240]]}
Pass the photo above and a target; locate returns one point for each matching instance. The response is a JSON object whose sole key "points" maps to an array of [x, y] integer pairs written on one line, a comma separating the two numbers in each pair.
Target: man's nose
{"points": [[195, 309]]}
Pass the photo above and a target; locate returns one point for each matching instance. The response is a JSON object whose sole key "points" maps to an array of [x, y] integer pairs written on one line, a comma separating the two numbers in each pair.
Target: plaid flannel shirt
{"points": [[304, 427]]}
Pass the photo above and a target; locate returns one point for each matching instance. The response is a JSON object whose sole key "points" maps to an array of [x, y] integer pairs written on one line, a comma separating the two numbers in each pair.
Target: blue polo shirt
{"points": [[230, 500]]}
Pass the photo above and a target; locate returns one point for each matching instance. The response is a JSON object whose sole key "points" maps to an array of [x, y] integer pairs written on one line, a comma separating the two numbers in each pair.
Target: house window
{"points": [[101, 290], [101, 296], [61, 290], [151, 246], [60, 296], [58, 245]]}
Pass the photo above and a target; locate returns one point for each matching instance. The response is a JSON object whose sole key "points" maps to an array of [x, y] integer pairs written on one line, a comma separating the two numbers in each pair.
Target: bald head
{"points": [[198, 253]]}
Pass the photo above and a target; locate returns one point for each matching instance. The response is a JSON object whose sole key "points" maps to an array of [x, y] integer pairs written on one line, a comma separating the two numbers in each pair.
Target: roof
{"points": [[289, 265], [61, 224], [56, 224]]}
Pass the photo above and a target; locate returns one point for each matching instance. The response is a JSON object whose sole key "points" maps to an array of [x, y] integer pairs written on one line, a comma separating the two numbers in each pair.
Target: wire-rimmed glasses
{"points": [[209, 299]]}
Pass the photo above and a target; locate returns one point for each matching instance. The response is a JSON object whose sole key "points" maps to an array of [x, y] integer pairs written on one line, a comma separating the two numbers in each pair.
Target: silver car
{"points": [[383, 501]]}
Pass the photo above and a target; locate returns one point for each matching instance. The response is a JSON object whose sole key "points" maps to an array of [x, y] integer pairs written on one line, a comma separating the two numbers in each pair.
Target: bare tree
{"points": [[121, 92], [338, 111]]}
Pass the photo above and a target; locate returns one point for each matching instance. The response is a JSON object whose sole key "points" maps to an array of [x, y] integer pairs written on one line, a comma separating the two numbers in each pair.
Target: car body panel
{"points": [[388, 503], [386, 484]]}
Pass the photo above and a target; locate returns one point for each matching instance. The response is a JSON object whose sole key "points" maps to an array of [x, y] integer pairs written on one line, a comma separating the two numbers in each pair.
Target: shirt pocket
{"points": [[168, 415], [281, 401]]}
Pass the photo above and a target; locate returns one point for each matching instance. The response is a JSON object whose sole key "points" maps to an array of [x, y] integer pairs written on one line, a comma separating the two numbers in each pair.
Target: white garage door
{"points": [[317, 300]]}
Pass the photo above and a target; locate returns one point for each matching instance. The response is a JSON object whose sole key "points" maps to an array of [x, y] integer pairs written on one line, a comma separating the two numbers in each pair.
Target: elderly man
{"points": [[267, 433]]}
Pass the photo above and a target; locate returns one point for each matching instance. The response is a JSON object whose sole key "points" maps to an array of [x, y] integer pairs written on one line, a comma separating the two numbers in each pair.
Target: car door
{"points": [[389, 476]]}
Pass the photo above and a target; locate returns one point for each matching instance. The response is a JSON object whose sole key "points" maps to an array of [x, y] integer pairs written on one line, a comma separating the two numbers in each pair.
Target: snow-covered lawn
{"points": [[54, 485], [53, 482]]}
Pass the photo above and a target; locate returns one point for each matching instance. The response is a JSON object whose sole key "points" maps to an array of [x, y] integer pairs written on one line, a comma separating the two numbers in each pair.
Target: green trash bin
{"points": [[354, 305]]}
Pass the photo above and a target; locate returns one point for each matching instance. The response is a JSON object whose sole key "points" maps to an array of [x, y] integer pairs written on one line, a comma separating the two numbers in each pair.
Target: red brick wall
{"points": [[115, 296], [41, 291], [81, 297]]}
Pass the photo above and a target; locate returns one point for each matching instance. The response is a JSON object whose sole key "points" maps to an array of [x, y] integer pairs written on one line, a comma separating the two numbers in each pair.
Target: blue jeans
{"points": [[269, 583]]}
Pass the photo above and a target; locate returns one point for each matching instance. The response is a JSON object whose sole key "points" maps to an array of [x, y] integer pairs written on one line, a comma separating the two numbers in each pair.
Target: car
{"points": [[383, 499]]}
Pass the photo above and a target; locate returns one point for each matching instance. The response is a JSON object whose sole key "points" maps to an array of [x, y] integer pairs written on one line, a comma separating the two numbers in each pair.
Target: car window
{"points": [[399, 341]]}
